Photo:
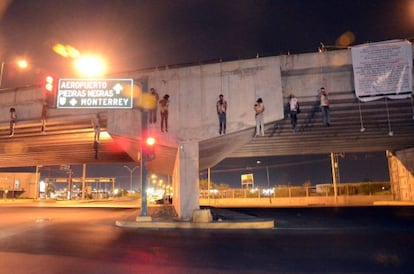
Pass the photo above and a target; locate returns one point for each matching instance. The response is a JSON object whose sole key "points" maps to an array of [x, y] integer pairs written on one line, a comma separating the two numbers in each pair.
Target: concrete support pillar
{"points": [[84, 181], [406, 156], [37, 179], [185, 180], [401, 177]]}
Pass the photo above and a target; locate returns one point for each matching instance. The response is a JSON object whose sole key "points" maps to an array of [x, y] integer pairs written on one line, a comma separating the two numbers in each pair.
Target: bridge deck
{"points": [[65, 141], [70, 140], [388, 125]]}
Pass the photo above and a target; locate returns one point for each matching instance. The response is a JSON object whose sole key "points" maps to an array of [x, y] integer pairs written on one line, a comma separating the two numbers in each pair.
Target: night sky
{"points": [[148, 33], [132, 35], [296, 170]]}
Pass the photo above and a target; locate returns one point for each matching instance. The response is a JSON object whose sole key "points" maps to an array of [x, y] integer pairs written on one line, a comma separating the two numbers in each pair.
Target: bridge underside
{"points": [[72, 142], [388, 125], [65, 141]]}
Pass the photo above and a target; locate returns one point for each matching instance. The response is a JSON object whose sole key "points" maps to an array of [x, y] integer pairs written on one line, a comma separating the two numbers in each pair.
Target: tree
{"points": [[307, 183], [223, 186], [203, 184]]}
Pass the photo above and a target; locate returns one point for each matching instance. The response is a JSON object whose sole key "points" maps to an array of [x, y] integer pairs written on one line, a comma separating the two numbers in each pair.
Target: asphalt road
{"points": [[313, 240]]}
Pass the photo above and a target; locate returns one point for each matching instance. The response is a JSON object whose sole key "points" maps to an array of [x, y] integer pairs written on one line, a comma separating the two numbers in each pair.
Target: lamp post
{"points": [[268, 178], [1, 73], [258, 162], [131, 170], [335, 171]]}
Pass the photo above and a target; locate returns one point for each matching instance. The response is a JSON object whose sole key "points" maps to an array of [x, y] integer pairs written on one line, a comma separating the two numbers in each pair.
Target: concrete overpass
{"points": [[193, 142]]}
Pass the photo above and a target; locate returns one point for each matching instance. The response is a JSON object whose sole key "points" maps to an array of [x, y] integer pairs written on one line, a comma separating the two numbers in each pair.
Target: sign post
{"points": [[247, 180]]}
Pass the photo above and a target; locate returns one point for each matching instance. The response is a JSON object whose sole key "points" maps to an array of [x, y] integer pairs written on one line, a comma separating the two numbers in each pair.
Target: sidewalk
{"points": [[164, 217], [121, 203]]}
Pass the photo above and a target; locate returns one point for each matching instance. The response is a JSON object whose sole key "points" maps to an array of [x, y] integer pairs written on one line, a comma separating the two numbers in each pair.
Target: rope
{"points": [[202, 91], [168, 77], [221, 77], [157, 74], [320, 67], [390, 133], [360, 117], [255, 94], [255, 75], [412, 105], [322, 50], [154, 77]]}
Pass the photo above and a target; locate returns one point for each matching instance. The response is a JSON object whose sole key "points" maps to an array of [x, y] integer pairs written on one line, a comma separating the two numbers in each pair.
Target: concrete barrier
{"points": [[202, 216]]}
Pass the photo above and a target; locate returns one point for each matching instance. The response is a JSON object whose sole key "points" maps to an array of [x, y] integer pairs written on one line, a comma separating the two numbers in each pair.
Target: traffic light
{"points": [[149, 148], [49, 84]]}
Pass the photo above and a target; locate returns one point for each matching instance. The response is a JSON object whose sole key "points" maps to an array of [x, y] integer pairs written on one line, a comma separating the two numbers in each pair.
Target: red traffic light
{"points": [[150, 141], [49, 84], [149, 148]]}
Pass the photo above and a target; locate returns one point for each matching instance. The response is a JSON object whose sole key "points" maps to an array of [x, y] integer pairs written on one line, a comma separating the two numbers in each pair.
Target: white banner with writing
{"points": [[383, 69]]}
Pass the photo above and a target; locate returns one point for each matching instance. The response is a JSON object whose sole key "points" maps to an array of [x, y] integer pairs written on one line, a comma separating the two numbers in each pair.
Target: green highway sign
{"points": [[95, 93]]}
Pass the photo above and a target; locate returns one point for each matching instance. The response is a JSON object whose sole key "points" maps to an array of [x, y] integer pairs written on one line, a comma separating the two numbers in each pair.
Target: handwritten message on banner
{"points": [[95, 93], [383, 69]]}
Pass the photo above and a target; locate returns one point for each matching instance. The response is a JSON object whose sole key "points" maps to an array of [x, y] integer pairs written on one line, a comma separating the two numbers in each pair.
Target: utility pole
{"points": [[268, 184], [130, 175], [70, 186], [268, 178], [144, 128], [208, 185], [83, 181], [335, 171]]}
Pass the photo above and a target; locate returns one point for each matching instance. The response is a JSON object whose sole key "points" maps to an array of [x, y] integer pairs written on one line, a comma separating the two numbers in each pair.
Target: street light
{"points": [[90, 66], [21, 63], [1, 73], [267, 173], [130, 173]]}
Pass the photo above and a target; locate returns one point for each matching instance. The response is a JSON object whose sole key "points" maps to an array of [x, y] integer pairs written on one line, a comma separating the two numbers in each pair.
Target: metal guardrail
{"points": [[369, 188]]}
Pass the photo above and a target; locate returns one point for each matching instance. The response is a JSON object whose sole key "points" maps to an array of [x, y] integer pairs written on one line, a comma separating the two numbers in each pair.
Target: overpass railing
{"points": [[347, 194], [368, 188]]}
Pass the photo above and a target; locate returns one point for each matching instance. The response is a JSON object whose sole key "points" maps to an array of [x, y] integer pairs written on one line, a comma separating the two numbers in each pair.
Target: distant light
{"points": [[150, 190], [268, 191], [42, 186]]}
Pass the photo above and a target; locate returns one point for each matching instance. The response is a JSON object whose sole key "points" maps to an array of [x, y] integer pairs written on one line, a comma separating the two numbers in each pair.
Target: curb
{"points": [[247, 224], [393, 203]]}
